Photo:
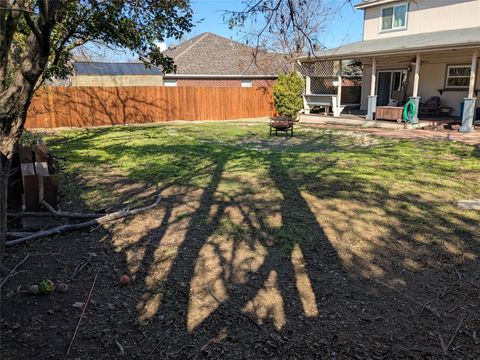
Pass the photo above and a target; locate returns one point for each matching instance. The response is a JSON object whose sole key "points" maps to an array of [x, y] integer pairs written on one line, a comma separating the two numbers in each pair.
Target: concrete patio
{"points": [[391, 129], [360, 120]]}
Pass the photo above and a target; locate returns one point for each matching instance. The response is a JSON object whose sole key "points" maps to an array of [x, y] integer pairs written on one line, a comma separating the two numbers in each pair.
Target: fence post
{"points": [[51, 119]]}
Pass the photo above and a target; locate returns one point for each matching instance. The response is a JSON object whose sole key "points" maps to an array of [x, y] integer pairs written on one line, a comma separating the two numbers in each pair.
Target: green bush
{"points": [[287, 94]]}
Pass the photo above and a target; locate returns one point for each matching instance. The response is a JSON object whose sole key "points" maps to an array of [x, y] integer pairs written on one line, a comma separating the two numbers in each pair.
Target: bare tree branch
{"points": [[291, 27], [32, 26]]}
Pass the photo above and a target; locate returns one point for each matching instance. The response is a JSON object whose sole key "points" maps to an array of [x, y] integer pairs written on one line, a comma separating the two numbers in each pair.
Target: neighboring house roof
{"points": [[114, 69], [213, 55], [448, 39]]}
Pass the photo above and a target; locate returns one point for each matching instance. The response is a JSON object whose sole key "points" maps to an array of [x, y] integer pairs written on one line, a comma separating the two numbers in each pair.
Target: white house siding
{"points": [[432, 76], [426, 16]]}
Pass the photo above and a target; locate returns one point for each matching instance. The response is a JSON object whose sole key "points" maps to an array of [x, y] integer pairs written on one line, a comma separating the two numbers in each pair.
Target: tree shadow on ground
{"points": [[476, 151], [296, 254]]}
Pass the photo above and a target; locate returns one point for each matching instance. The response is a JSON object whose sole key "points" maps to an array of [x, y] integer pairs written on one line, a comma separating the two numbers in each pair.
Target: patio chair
{"points": [[430, 106], [281, 124]]}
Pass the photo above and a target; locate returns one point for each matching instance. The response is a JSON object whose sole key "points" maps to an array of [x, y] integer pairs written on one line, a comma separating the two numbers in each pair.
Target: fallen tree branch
{"points": [[80, 267], [456, 332], [18, 234], [158, 343], [55, 214], [81, 316], [61, 213], [12, 272], [442, 344], [69, 227], [31, 214]]}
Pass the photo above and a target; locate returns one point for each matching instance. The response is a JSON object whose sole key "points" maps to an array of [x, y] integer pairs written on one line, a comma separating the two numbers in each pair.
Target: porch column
{"points": [[416, 80], [339, 89], [338, 110], [308, 91], [372, 98], [469, 102]]}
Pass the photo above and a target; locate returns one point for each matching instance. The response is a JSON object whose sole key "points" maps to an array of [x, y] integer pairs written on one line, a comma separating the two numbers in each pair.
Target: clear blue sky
{"points": [[346, 27]]}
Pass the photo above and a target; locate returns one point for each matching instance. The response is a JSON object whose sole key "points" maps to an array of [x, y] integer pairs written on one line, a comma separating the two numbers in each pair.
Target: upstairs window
{"points": [[246, 83], [458, 77], [394, 17]]}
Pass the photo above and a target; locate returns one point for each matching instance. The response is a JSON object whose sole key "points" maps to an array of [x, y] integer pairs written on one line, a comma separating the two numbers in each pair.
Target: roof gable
{"points": [[211, 54], [448, 39]]}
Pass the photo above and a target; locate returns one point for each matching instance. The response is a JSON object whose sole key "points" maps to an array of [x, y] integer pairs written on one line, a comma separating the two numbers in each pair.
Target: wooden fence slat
{"points": [[95, 106]]}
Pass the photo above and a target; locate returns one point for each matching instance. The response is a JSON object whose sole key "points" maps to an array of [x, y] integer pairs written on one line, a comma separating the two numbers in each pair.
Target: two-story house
{"points": [[412, 49]]}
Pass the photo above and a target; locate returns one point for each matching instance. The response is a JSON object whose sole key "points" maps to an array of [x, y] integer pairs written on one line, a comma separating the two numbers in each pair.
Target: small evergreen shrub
{"points": [[287, 94]]}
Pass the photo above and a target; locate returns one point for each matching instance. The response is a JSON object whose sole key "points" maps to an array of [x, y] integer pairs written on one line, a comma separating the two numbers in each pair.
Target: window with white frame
{"points": [[394, 17], [246, 83], [458, 77], [169, 82]]}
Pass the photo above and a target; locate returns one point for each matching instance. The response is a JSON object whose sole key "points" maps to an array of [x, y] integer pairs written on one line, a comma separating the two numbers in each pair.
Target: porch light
{"points": [[335, 83]]}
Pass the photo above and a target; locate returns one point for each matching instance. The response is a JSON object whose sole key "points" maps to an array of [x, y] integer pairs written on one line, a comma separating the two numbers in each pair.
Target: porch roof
{"points": [[440, 40]]}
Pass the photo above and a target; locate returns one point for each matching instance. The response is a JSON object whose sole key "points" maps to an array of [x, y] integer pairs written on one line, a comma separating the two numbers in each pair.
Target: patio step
{"points": [[351, 120]]}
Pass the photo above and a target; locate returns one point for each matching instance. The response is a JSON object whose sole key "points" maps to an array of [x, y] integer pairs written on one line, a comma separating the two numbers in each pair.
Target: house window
{"points": [[394, 17], [458, 76], [169, 82], [246, 83]]}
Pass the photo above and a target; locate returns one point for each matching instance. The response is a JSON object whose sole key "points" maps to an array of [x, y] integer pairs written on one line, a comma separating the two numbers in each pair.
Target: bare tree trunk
{"points": [[15, 99], [4, 171], [14, 103], [7, 146], [10, 133]]}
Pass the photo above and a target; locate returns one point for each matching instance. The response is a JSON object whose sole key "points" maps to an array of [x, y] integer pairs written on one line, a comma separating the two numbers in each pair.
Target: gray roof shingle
{"points": [[469, 37], [112, 69], [211, 54]]}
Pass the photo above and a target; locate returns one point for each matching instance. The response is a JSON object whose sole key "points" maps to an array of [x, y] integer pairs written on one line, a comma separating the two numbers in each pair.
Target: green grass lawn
{"points": [[366, 193]]}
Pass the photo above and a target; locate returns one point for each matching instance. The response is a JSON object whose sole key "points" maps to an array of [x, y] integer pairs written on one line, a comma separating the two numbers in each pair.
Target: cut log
{"points": [[41, 153], [50, 190], [26, 154], [70, 227], [31, 192]]}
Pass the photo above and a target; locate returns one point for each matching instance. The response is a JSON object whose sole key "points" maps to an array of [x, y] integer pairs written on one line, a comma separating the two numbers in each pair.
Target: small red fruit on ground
{"points": [[124, 279]]}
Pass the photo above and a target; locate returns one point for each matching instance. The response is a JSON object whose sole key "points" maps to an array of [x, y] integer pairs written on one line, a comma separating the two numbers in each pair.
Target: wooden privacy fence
{"points": [[96, 106], [351, 95]]}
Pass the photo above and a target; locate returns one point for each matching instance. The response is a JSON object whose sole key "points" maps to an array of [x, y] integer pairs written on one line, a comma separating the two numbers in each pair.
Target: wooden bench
{"points": [[322, 100]]}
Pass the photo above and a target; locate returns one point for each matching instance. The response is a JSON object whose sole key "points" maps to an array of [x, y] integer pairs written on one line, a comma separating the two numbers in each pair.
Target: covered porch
{"points": [[436, 74]]}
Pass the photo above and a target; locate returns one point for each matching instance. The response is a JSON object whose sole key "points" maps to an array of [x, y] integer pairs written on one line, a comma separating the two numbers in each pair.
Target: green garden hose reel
{"points": [[409, 111]]}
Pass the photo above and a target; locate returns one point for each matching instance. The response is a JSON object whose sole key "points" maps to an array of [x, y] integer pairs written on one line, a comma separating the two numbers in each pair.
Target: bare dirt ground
{"points": [[168, 311]]}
